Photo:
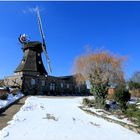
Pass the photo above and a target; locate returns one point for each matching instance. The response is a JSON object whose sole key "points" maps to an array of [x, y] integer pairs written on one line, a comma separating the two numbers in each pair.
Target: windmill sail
{"points": [[43, 40]]}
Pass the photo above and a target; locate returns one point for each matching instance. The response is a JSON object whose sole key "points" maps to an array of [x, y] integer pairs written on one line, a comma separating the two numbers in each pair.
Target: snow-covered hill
{"points": [[61, 119]]}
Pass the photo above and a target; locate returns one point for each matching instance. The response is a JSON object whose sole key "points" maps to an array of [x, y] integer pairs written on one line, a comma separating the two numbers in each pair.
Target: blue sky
{"points": [[69, 27]]}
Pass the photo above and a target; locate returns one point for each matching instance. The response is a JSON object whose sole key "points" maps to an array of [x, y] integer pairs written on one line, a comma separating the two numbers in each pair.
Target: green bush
{"points": [[122, 96], [100, 92], [130, 110], [3, 96], [137, 116], [88, 102]]}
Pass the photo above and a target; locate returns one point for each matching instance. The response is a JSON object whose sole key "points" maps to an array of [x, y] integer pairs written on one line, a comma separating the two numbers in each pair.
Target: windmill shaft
{"points": [[43, 40], [40, 28], [47, 57], [40, 25]]}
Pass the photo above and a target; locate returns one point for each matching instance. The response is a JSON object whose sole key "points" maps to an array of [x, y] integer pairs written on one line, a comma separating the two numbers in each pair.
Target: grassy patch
{"points": [[133, 114]]}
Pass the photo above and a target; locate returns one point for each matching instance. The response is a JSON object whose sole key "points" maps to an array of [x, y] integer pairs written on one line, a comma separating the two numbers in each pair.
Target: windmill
{"points": [[43, 39]]}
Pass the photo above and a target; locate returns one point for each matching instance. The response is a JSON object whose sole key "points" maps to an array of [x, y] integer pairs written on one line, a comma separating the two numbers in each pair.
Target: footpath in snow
{"points": [[60, 118]]}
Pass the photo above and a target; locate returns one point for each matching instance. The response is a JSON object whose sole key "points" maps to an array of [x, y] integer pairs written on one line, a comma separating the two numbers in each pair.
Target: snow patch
{"points": [[61, 118]]}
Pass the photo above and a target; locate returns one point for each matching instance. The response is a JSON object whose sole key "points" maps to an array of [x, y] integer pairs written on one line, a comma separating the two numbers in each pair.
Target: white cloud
{"points": [[31, 10]]}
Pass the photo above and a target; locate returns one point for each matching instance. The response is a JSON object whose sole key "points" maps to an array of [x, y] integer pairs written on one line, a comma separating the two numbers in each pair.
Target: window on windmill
{"points": [[52, 86], [39, 62], [23, 61], [43, 83], [79, 89], [32, 81], [62, 85], [38, 54], [68, 85]]}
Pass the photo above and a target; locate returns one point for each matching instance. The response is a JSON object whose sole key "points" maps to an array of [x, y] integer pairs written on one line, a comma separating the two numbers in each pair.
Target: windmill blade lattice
{"points": [[43, 40]]}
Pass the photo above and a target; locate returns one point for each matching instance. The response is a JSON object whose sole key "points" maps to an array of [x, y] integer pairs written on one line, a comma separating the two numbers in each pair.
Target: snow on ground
{"points": [[60, 118], [10, 99]]}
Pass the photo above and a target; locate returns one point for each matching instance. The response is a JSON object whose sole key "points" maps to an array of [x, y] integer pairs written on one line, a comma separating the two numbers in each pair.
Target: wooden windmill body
{"points": [[32, 60]]}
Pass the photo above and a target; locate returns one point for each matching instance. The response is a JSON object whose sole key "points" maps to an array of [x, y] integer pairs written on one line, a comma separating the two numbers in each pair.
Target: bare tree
{"points": [[101, 69]]}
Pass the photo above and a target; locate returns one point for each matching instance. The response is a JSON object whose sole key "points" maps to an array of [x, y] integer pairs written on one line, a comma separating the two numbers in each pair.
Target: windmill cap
{"points": [[33, 45]]}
